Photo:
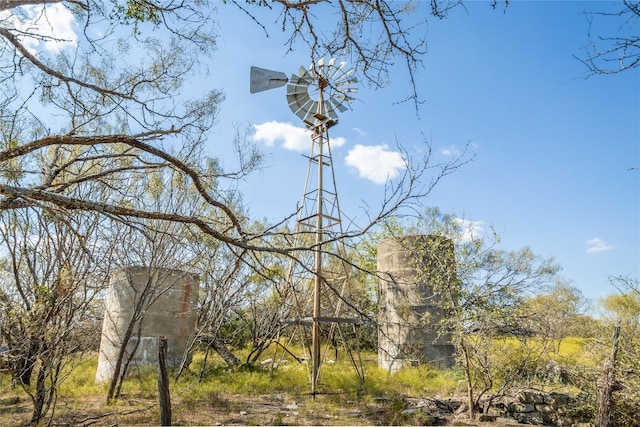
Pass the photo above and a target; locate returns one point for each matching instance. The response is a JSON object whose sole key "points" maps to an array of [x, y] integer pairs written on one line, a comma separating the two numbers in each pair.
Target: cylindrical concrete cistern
{"points": [[409, 316], [169, 310]]}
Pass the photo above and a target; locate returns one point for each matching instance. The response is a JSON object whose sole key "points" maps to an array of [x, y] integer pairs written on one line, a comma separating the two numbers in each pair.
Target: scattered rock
{"points": [[462, 409], [523, 408], [545, 408], [557, 399], [535, 418], [530, 397]]}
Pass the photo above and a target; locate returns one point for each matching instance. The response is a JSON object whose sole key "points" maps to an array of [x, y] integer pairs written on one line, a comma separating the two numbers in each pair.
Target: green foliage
{"points": [[626, 306], [12, 168], [140, 11], [368, 248]]}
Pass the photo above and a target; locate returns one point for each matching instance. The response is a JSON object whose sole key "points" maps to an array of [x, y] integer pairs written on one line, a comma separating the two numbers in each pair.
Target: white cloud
{"points": [[469, 230], [375, 162], [597, 245], [337, 141], [293, 137], [52, 25], [360, 132], [450, 151]]}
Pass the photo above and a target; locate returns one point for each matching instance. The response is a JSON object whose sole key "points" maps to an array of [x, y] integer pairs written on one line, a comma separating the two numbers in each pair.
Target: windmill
{"points": [[315, 95]]}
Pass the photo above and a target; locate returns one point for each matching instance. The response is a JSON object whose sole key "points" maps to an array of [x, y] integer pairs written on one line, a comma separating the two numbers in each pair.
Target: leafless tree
{"points": [[53, 273]]}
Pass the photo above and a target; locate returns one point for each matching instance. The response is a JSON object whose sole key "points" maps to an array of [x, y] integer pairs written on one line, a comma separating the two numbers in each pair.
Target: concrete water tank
{"points": [[409, 312], [169, 310]]}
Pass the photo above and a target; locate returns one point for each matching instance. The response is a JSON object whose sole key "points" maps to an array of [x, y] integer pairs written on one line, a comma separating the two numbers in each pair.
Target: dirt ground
{"points": [[239, 410]]}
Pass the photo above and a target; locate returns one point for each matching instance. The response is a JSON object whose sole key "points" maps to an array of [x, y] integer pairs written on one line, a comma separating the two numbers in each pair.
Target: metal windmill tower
{"points": [[314, 95]]}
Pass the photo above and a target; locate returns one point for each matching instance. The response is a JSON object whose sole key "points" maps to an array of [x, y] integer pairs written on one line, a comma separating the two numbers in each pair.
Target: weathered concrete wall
{"points": [[409, 313], [171, 297]]}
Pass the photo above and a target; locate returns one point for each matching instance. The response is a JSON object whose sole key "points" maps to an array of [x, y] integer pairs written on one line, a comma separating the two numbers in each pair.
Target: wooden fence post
{"points": [[163, 383], [607, 382]]}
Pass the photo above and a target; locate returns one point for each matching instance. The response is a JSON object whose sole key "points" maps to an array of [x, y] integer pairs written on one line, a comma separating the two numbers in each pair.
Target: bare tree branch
{"points": [[611, 54]]}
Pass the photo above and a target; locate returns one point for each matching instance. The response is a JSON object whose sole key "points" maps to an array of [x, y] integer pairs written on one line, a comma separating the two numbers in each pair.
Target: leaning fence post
{"points": [[163, 383]]}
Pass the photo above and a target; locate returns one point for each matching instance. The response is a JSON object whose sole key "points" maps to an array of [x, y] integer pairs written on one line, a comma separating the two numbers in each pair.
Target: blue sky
{"points": [[553, 148]]}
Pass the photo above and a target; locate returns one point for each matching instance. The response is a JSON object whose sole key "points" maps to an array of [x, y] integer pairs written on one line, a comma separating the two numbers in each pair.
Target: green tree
{"points": [[625, 306], [556, 313]]}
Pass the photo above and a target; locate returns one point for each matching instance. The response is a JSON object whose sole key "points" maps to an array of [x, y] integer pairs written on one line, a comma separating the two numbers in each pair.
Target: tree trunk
{"points": [[607, 381], [467, 374], [120, 360], [39, 397], [224, 352], [163, 383]]}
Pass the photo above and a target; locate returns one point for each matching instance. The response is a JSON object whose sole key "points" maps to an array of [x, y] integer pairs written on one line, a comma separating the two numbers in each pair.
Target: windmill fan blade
{"points": [[299, 81], [321, 67], [344, 75], [297, 102], [339, 100], [324, 69], [297, 90], [338, 70], [331, 68], [339, 105], [311, 110], [330, 112], [300, 105], [304, 73], [352, 80]]}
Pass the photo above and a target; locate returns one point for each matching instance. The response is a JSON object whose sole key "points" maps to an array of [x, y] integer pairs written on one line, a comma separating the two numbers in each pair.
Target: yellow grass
{"points": [[223, 393]]}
